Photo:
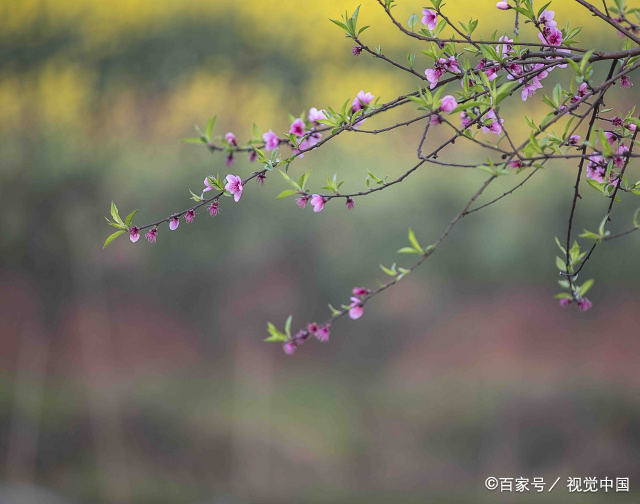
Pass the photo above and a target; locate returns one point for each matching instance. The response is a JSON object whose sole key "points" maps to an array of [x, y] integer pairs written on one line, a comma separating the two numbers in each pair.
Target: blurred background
{"points": [[137, 374]]}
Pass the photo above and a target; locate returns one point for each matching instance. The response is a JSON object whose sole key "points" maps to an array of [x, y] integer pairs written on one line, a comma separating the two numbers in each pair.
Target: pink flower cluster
{"points": [[361, 101], [320, 333], [549, 34], [598, 164], [583, 304], [489, 123], [442, 66], [356, 309]]}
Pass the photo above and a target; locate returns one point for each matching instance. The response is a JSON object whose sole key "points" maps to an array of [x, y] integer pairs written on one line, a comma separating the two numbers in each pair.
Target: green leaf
{"points": [[585, 287], [340, 24], [275, 334], [485, 168], [411, 58], [113, 237], [541, 10], [115, 215], [603, 223], [334, 312], [210, 125], [127, 221], [284, 194], [388, 271], [287, 325], [413, 20], [561, 264], [585, 61], [589, 235], [409, 250], [596, 185], [302, 181], [504, 90], [414, 241]]}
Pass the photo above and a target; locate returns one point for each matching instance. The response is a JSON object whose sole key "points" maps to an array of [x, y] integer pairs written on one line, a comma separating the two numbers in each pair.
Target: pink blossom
{"points": [[430, 19], [356, 50], [565, 302], [574, 139], [351, 203], [494, 126], [189, 216], [465, 120], [506, 46], [313, 139], [450, 64], [304, 145], [356, 310], [596, 173], [302, 201], [597, 168], [316, 115], [516, 164], [436, 119], [260, 178], [213, 208], [360, 291], [491, 73], [253, 156], [323, 333], [271, 140], [234, 186], [317, 202], [229, 160], [618, 160], [584, 304], [614, 180], [551, 36], [433, 75], [134, 234], [231, 138], [611, 136], [630, 126], [546, 19], [583, 90], [289, 347], [503, 6], [174, 223], [208, 186], [298, 127], [449, 104], [616, 121], [530, 89], [482, 64], [561, 65], [515, 71], [543, 74], [361, 100], [625, 81], [312, 328], [151, 235]]}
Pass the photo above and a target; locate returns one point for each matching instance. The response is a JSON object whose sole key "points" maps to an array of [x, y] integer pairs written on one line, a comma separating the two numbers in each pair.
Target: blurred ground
{"points": [[138, 374]]}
